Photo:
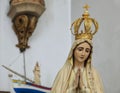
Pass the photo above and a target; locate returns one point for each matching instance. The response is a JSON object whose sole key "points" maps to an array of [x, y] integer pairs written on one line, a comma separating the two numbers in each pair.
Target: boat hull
{"points": [[26, 90], [27, 87]]}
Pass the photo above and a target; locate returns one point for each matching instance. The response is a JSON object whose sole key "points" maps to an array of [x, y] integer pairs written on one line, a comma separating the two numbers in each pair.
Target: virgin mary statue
{"points": [[78, 75]]}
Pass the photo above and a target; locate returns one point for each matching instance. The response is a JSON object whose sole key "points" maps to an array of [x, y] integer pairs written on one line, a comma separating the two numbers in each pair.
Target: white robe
{"points": [[65, 77]]}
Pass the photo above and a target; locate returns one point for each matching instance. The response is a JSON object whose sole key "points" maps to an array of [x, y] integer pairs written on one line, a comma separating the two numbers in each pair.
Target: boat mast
{"points": [[24, 65]]}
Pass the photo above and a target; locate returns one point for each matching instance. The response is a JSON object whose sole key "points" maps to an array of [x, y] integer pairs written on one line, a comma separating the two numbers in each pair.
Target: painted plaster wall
{"points": [[50, 43]]}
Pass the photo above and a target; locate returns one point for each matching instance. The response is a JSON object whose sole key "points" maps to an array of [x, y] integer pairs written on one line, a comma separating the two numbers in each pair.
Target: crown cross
{"points": [[86, 7]]}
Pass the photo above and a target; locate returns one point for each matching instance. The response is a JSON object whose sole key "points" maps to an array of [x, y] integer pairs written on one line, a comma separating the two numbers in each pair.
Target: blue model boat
{"points": [[20, 86]]}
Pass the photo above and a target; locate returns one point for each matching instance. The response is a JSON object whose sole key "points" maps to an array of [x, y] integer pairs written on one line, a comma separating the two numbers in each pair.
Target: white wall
{"points": [[106, 42], [50, 43]]}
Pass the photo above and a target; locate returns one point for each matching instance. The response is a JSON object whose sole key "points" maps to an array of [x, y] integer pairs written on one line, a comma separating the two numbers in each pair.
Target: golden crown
{"points": [[88, 23]]}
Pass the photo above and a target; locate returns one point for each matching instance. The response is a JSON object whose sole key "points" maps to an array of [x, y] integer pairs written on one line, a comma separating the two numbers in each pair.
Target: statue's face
{"points": [[82, 52]]}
